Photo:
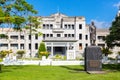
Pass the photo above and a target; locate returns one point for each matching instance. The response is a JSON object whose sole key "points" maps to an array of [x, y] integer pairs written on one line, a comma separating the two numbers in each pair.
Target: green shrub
{"points": [[58, 56], [3, 53], [42, 51], [20, 53]]}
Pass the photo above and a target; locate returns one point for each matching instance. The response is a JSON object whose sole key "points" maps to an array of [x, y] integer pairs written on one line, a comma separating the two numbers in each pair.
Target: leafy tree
{"points": [[113, 39], [106, 51], [15, 12]]}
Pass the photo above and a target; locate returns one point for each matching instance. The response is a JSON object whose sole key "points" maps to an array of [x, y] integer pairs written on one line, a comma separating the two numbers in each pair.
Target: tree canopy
{"points": [[113, 39], [15, 12]]}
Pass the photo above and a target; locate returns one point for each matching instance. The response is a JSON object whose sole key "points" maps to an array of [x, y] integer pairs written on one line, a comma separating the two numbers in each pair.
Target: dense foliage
{"points": [[15, 13], [113, 39], [3, 53], [4, 36], [106, 51], [20, 53]]}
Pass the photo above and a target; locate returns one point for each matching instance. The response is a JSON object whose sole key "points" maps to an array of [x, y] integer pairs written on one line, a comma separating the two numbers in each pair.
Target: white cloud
{"points": [[117, 4], [101, 24]]}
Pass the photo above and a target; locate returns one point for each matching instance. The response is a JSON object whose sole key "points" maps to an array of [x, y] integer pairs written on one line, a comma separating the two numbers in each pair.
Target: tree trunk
{"points": [[0, 67]]}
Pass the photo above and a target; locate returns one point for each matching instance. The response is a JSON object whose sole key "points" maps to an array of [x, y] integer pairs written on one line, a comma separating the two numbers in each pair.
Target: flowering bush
{"points": [[42, 51], [3, 53], [45, 53]]}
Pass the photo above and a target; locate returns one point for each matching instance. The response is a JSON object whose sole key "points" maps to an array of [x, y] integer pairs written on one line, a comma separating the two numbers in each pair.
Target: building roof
{"points": [[102, 30]]}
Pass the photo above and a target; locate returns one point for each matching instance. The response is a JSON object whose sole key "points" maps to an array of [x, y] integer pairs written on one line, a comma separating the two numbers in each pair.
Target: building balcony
{"points": [[58, 30], [59, 39]]}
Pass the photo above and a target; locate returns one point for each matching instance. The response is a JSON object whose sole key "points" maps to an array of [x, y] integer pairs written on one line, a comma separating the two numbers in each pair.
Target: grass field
{"points": [[57, 73]]}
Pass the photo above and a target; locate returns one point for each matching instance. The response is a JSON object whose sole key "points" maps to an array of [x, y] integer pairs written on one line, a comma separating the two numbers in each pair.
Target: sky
{"points": [[102, 12]]}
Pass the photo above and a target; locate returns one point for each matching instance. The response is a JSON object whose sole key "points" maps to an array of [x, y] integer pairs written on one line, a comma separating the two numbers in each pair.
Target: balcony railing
{"points": [[59, 30], [55, 39]]}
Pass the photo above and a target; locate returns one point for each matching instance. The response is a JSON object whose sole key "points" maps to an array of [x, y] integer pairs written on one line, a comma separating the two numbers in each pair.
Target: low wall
{"points": [[45, 62]]}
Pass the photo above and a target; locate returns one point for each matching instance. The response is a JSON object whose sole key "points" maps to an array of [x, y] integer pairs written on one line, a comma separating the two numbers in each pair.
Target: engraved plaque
{"points": [[94, 63]]}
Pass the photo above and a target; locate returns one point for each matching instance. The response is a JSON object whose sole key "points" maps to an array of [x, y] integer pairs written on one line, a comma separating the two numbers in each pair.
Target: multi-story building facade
{"points": [[60, 34]]}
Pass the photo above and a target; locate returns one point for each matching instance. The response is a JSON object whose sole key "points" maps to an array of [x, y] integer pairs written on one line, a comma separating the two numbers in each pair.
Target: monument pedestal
{"points": [[93, 58]]}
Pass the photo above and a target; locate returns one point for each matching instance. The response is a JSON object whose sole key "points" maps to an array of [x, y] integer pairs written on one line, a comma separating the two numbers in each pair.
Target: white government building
{"points": [[62, 35]]}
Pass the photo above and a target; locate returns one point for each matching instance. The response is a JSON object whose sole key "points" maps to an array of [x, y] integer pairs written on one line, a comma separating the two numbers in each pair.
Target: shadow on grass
{"points": [[112, 67], [10, 68], [75, 70]]}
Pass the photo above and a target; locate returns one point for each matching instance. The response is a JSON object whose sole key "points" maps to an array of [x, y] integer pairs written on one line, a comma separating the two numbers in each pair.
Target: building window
{"points": [[47, 26], [4, 46], [65, 35], [51, 26], [48, 48], [101, 45], [101, 38], [80, 36], [51, 35], [65, 26], [29, 37], [14, 37], [43, 26], [80, 26], [43, 35], [58, 35], [69, 35], [36, 45], [69, 26], [22, 37], [21, 46], [86, 44], [72, 26], [72, 35], [86, 37], [47, 35], [80, 46], [29, 46], [14, 46], [36, 36]]}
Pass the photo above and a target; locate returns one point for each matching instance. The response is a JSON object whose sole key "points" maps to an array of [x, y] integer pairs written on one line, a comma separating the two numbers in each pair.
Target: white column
{"points": [[51, 49], [67, 46], [9, 46]]}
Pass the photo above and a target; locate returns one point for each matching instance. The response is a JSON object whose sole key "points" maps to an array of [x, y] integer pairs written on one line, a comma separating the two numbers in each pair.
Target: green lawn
{"points": [[57, 73]]}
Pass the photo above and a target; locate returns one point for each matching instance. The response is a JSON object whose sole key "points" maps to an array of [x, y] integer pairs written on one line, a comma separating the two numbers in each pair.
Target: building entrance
{"points": [[59, 50]]}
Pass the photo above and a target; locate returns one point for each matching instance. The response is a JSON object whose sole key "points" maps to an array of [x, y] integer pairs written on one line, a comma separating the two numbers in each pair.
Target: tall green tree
{"points": [[113, 39], [42, 47], [16, 13]]}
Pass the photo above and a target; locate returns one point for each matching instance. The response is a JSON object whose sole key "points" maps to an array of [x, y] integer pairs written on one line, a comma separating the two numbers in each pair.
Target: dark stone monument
{"points": [[93, 58]]}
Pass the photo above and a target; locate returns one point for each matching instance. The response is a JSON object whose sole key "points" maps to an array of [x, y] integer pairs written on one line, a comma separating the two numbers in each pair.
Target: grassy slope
{"points": [[56, 73]]}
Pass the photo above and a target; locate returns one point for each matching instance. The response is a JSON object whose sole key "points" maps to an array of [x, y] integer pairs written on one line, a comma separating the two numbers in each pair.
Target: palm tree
{"points": [[106, 51]]}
